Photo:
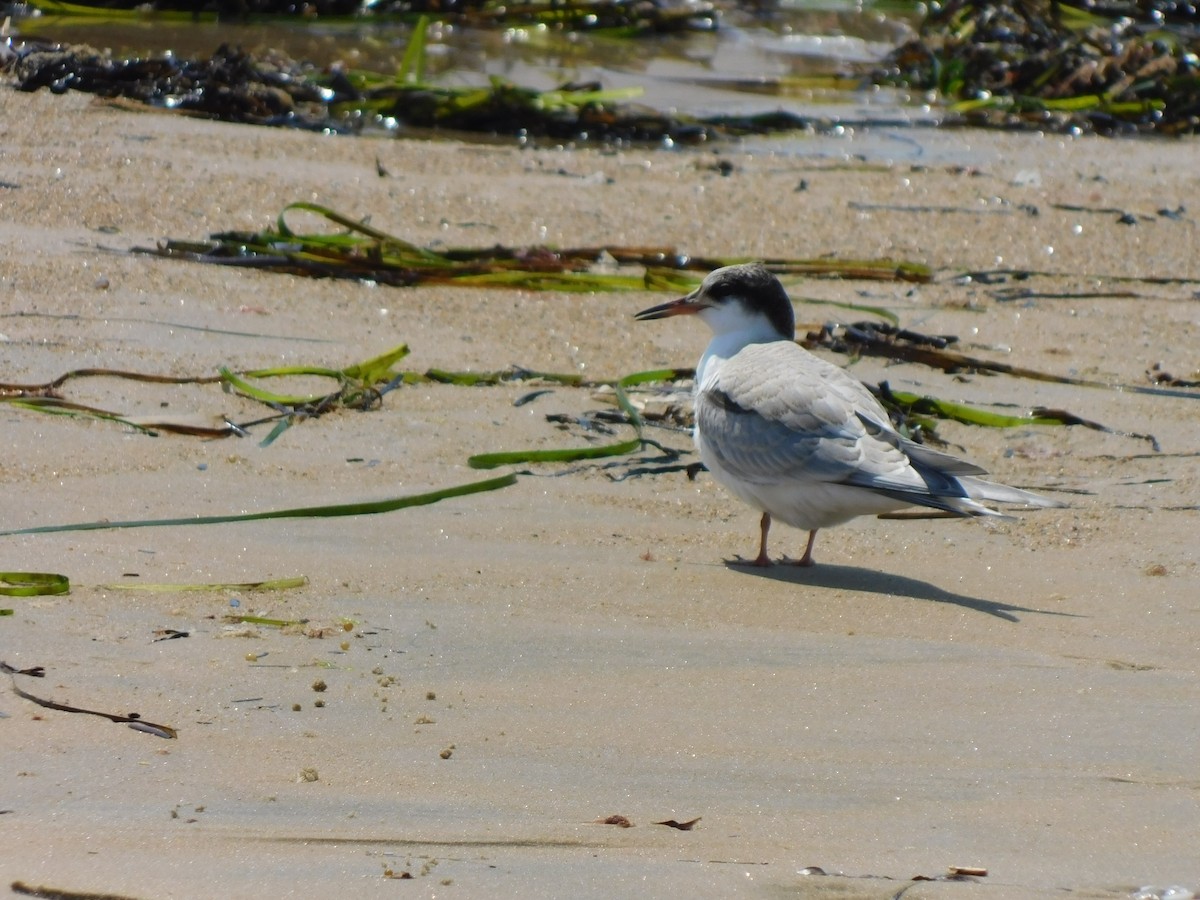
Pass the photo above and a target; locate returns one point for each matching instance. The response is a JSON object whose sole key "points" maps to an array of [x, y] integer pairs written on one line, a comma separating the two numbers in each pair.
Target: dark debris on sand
{"points": [[230, 85], [1104, 67], [235, 86]]}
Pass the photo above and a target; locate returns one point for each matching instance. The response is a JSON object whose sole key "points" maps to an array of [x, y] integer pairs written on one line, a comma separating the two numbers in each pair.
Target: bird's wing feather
{"points": [[775, 412], [919, 454]]}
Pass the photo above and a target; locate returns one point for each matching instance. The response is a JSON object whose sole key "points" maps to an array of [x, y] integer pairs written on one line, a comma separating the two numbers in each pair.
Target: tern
{"points": [[797, 437]]}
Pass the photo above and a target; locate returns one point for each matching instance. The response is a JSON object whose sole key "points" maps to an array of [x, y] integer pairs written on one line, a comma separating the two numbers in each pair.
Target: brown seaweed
{"points": [[235, 86], [364, 252], [1107, 68], [884, 340], [133, 720]]}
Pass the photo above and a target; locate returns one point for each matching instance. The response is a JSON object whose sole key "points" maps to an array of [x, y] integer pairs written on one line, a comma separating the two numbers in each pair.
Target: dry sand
{"points": [[1018, 696]]}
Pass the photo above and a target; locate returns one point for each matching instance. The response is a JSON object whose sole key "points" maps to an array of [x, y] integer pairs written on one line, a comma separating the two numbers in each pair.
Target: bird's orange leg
{"points": [[765, 525], [806, 559]]}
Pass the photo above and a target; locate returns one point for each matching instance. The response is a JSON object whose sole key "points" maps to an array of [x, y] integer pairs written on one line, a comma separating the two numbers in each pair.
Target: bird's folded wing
{"points": [[774, 414], [919, 453]]}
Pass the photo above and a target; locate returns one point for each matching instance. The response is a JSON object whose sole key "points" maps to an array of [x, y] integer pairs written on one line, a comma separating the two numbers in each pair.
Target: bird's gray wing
{"points": [[774, 412], [777, 414], [918, 454]]}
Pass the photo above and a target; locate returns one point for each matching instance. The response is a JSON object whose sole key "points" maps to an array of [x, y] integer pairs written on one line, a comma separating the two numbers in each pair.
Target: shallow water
{"points": [[803, 59]]}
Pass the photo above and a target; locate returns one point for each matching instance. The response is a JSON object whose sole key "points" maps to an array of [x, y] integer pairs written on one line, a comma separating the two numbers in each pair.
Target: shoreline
{"points": [[1016, 696]]}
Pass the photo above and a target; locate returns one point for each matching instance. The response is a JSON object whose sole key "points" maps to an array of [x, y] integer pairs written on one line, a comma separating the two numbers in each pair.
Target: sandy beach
{"points": [[1018, 696]]}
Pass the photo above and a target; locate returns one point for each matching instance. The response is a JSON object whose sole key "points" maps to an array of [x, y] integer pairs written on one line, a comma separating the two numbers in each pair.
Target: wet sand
{"points": [[1018, 696]]}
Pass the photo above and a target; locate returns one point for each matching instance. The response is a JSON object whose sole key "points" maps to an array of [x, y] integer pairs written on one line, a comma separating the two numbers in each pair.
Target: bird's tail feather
{"points": [[967, 503], [978, 489], [955, 505]]}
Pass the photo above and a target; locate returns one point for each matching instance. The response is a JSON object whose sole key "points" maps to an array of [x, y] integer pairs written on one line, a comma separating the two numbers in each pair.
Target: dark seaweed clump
{"points": [[230, 85], [235, 86], [1109, 68]]}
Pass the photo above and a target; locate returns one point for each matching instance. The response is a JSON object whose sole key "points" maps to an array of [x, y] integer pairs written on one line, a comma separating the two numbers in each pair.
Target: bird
{"points": [[797, 437]]}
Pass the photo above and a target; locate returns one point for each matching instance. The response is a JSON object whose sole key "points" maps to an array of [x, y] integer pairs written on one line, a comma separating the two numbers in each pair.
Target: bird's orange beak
{"points": [[684, 306]]}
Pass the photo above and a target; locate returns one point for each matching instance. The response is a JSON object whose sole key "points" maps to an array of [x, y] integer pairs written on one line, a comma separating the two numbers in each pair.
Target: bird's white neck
{"points": [[726, 344]]}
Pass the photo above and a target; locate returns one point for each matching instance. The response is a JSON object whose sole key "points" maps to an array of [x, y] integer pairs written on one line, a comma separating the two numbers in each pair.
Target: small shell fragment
{"points": [[620, 821]]}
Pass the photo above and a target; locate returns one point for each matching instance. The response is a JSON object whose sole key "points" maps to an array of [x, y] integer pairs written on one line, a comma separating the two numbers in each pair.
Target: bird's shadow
{"points": [[869, 581]]}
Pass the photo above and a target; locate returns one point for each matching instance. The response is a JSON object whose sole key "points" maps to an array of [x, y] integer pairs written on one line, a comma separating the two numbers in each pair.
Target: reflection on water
{"points": [[802, 59], [760, 49]]}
